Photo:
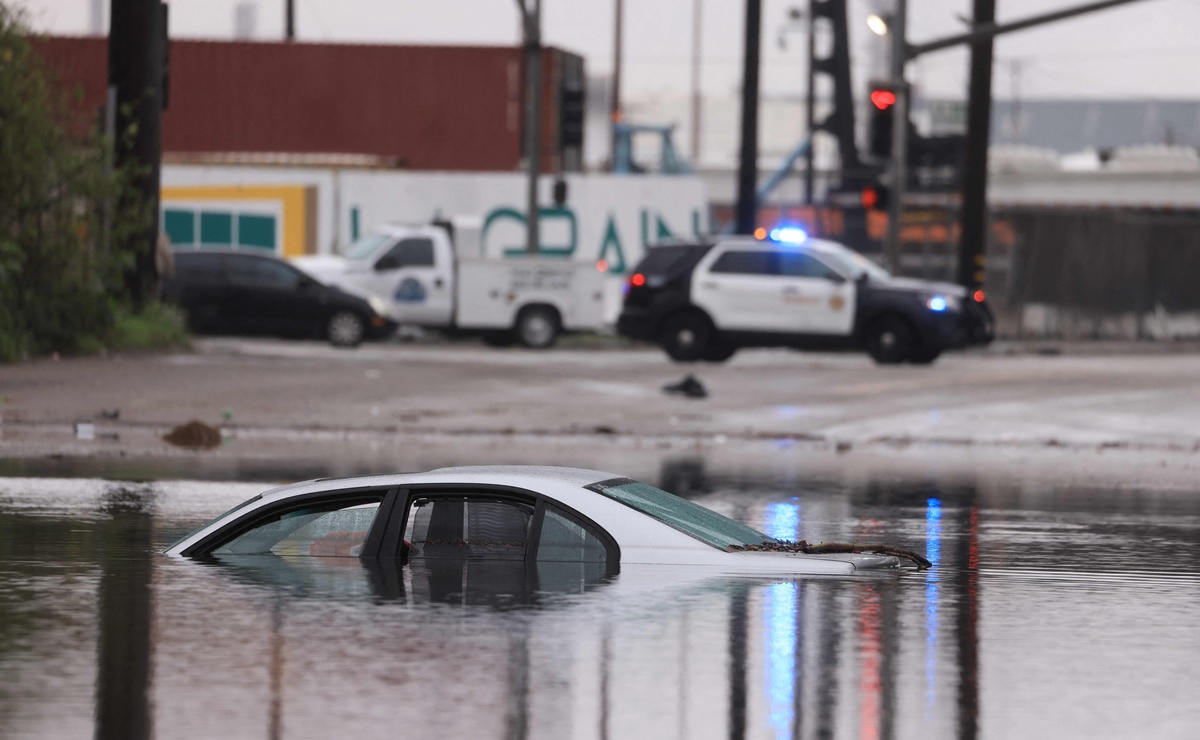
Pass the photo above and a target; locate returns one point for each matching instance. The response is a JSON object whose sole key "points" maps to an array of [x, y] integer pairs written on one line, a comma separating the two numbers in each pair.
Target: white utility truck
{"points": [[437, 276]]}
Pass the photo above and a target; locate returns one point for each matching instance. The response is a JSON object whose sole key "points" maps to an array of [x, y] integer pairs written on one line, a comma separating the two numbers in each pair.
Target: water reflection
{"points": [[100, 635]]}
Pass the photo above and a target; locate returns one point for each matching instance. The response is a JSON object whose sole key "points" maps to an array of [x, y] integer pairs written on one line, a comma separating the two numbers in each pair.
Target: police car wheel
{"points": [[889, 340], [345, 329], [925, 356], [686, 337], [537, 327]]}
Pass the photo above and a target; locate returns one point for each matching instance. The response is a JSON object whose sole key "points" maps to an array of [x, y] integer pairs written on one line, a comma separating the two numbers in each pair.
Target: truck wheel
{"points": [[345, 329], [925, 355], [686, 337], [889, 340], [720, 351], [537, 327]]}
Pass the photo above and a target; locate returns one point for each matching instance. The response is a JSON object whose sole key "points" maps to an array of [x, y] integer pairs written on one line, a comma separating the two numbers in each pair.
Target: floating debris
{"points": [[689, 387], [194, 435], [833, 548]]}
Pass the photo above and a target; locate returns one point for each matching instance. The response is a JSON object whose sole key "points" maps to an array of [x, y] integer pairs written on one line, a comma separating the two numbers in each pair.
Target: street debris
{"points": [[831, 548], [194, 435], [689, 387]]}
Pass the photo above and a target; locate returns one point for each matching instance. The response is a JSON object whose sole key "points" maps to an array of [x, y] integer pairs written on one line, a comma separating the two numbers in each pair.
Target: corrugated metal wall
{"points": [[423, 107]]}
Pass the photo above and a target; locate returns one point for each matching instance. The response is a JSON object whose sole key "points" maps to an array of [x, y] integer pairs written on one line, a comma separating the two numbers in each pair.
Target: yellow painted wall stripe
{"points": [[299, 230]]}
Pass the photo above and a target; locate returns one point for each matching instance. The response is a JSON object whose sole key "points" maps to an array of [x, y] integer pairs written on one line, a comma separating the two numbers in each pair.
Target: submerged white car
{"points": [[513, 513]]}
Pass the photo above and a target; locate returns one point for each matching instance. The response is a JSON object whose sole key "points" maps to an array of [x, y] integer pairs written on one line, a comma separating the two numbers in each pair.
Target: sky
{"points": [[1149, 49]]}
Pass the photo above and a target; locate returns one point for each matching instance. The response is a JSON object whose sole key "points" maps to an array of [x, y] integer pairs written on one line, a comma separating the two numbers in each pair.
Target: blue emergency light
{"points": [[788, 235], [937, 303]]}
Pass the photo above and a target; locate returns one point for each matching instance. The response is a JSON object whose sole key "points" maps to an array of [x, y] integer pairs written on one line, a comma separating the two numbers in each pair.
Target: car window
{"points": [[262, 273], [564, 540], [415, 252], [327, 530], [198, 267], [798, 264], [704, 524], [740, 262], [463, 527]]}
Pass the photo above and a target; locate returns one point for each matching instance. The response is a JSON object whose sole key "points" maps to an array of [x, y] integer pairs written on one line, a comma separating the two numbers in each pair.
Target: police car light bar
{"points": [[788, 235]]}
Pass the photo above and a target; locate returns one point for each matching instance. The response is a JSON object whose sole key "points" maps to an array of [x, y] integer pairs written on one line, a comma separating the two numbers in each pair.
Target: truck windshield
{"points": [[366, 247], [704, 524]]}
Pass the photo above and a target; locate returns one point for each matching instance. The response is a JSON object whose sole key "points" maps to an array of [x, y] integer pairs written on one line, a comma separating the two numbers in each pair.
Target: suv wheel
{"points": [[889, 340], [686, 337], [537, 327], [345, 329]]}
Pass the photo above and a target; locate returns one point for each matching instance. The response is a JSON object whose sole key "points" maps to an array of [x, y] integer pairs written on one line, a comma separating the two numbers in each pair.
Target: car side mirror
{"points": [[863, 277]]}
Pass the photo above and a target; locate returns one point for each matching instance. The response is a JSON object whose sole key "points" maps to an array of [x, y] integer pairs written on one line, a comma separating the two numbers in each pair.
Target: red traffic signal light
{"points": [[882, 98]]}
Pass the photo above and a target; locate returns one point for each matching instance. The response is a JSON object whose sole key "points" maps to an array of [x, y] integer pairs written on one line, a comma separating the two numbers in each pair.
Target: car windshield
{"points": [[366, 247], [850, 263], [704, 524]]}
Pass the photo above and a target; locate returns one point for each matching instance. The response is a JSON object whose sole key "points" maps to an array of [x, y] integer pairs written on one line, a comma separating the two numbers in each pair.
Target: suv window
{"points": [[663, 260], [746, 263], [798, 264], [256, 272], [415, 252]]}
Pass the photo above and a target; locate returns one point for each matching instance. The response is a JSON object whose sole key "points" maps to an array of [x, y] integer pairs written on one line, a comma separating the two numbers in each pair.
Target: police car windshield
{"points": [[849, 262], [367, 246]]}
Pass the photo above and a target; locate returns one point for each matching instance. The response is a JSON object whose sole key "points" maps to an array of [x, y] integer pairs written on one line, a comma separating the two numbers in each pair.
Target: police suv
{"points": [[702, 300]]}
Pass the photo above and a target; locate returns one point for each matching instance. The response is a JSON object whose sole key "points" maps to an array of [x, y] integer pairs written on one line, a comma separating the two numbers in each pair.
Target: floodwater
{"points": [[1052, 612]]}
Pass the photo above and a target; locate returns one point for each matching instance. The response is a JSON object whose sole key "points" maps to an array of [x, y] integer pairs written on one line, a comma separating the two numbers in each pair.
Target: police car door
{"points": [[827, 298], [741, 290], [416, 286]]}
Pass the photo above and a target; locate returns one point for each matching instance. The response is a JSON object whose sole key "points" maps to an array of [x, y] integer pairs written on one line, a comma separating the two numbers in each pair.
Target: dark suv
{"points": [[245, 293], [703, 300]]}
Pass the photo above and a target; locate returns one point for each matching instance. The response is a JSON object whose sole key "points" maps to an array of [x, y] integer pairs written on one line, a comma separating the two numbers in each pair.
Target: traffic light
{"points": [[875, 197], [570, 116], [882, 121]]}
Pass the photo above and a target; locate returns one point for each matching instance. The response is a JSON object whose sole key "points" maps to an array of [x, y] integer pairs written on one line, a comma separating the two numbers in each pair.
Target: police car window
{"points": [[746, 263], [795, 264], [411, 253]]}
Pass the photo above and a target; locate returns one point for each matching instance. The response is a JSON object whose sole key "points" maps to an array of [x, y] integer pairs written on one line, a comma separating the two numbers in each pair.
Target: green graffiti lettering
{"points": [[616, 264]]}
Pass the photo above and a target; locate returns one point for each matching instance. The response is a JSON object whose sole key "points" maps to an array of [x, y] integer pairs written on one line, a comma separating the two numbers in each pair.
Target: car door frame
{"points": [[204, 547], [391, 543]]}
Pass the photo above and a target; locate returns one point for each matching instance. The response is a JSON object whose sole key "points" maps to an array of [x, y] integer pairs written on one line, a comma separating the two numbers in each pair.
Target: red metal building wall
{"points": [[425, 107]]}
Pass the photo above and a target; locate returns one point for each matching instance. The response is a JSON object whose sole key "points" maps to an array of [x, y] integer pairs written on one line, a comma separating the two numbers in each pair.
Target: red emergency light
{"points": [[883, 99]]}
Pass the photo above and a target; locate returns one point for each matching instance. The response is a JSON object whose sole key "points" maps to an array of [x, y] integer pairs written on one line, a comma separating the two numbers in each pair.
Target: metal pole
{"points": [[533, 119], [136, 56], [899, 175], [810, 103], [291, 20], [972, 245], [614, 114], [697, 28], [747, 202]]}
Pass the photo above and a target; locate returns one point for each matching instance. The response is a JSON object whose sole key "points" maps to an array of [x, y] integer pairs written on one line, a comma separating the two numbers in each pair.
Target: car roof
{"points": [[513, 475]]}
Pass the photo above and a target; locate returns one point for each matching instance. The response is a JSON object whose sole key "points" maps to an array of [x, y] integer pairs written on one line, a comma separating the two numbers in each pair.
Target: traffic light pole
{"points": [[972, 240], [899, 174], [531, 17], [747, 183]]}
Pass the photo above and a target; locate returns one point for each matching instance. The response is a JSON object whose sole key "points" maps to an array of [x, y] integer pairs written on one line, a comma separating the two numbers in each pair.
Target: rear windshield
{"points": [[666, 259], [704, 524]]}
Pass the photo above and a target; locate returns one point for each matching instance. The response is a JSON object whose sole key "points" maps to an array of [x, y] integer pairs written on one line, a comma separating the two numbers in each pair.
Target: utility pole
{"points": [[614, 112], [290, 20], [747, 186], [697, 29], [531, 16], [972, 246], [810, 105], [137, 52], [899, 175]]}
